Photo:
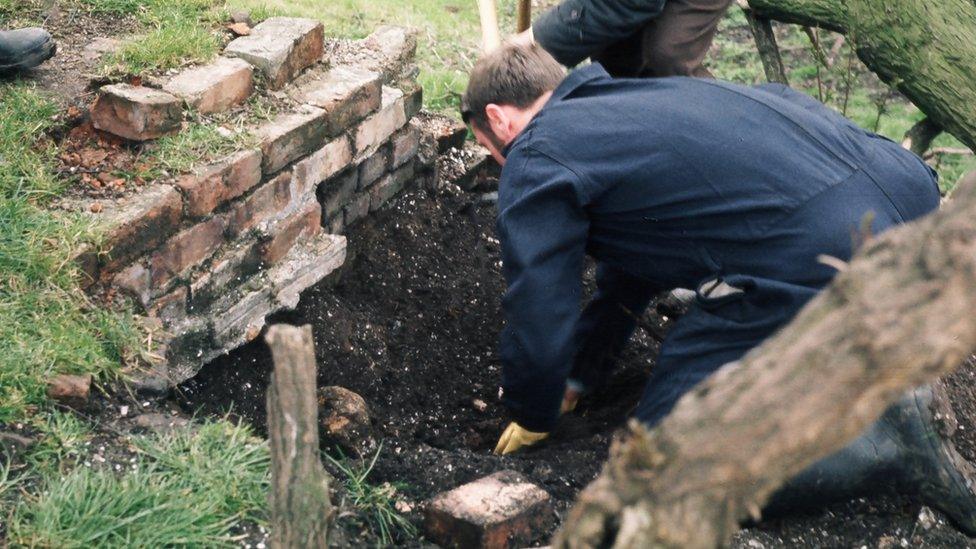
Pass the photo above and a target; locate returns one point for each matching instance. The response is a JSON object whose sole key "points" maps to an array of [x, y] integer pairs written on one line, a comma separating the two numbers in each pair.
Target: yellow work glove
{"points": [[515, 437]]}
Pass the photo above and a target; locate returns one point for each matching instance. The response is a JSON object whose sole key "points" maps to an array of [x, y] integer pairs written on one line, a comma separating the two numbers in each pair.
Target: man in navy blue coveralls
{"points": [[670, 182]]}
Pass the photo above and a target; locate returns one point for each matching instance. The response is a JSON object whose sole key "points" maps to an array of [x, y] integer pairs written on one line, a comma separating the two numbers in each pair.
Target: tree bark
{"points": [[925, 49], [897, 316], [772, 62], [919, 137], [300, 507]]}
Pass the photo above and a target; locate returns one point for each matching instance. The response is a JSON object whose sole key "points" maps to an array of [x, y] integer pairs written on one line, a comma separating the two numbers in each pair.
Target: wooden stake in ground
{"points": [[898, 315], [524, 15], [490, 37], [301, 511]]}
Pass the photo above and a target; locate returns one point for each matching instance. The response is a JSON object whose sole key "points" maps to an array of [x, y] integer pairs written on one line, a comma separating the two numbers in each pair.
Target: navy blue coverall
{"points": [[674, 182]]}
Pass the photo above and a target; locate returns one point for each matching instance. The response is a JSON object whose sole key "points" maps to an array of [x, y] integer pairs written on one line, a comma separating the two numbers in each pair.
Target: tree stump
{"points": [[301, 511]]}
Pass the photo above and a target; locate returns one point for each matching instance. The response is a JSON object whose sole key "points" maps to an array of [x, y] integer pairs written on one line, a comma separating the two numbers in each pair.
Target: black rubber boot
{"points": [[24, 49], [908, 451]]}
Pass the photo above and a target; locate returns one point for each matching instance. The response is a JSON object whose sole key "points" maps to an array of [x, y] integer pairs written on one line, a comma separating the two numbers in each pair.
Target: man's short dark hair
{"points": [[511, 75]]}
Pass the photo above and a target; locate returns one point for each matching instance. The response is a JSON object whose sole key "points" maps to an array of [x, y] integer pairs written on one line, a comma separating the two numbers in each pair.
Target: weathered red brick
{"points": [[379, 127], [304, 223], [405, 145], [185, 250], [225, 180], [70, 390], [373, 168], [170, 308], [136, 113], [214, 87], [347, 94], [498, 511], [134, 281], [280, 47], [291, 136], [334, 157], [394, 49], [139, 223], [265, 203]]}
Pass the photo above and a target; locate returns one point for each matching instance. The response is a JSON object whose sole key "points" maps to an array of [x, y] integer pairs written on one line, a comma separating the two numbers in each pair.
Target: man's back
{"points": [[697, 177]]}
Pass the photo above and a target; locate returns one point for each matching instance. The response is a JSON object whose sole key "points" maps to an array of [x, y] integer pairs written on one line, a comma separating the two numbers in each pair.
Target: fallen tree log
{"points": [[926, 50], [897, 316]]}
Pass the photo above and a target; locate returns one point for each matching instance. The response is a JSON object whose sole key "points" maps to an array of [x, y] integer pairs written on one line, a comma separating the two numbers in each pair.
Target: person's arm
{"points": [[577, 29], [542, 227], [607, 324]]}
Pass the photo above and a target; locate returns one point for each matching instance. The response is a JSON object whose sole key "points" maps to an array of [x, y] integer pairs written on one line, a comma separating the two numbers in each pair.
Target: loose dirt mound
{"points": [[412, 326]]}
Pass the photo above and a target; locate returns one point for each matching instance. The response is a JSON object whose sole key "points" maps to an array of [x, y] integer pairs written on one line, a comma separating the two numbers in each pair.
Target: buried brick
{"points": [[344, 419], [379, 127], [498, 511], [186, 250], [291, 136], [70, 390], [225, 180], [334, 157], [280, 47], [139, 223], [214, 87], [136, 112], [347, 94], [304, 223]]}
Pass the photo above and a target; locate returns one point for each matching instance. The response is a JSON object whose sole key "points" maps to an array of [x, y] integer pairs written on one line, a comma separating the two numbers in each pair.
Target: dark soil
{"points": [[412, 326]]}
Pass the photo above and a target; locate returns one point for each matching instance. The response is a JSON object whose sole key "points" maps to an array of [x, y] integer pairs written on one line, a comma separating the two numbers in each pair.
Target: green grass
{"points": [[188, 488], [847, 86], [48, 325], [373, 505], [177, 32]]}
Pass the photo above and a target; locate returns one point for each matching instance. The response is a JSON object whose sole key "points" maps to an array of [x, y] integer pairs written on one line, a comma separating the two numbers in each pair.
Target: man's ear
{"points": [[498, 119]]}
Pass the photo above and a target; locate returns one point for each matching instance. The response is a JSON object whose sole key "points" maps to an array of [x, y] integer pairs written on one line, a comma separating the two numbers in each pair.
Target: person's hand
{"points": [[570, 400], [516, 437], [524, 38]]}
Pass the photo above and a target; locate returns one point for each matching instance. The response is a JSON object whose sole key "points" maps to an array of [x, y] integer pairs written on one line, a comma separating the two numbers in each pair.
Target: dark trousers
{"points": [[673, 44]]}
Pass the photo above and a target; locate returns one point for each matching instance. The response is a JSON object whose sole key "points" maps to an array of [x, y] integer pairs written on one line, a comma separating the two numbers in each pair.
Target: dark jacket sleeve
{"points": [[577, 29], [542, 227], [607, 324]]}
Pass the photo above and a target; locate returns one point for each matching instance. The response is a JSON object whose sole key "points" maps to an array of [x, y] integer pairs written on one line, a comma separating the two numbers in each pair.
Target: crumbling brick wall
{"points": [[209, 254]]}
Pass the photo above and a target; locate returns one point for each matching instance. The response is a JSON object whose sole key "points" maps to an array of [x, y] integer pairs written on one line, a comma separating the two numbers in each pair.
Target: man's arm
{"points": [[542, 227], [577, 29], [607, 324]]}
